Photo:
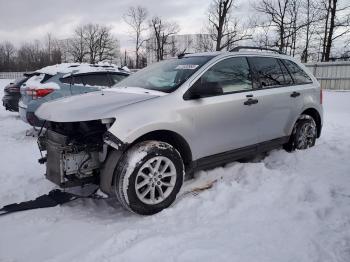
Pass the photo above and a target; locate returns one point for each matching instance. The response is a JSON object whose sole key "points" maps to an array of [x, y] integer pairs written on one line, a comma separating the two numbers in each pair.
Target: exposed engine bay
{"points": [[73, 152]]}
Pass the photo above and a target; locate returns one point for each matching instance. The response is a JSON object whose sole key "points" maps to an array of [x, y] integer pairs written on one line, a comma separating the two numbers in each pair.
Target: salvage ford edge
{"points": [[139, 139]]}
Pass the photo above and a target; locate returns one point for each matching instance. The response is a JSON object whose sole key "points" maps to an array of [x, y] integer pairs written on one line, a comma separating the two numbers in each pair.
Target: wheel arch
{"points": [[172, 138]]}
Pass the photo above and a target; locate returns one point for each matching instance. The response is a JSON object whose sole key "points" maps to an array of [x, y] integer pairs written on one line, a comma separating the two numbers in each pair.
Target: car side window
{"points": [[77, 80], [74, 80], [66, 80], [230, 75], [288, 80], [268, 71], [117, 77], [96, 80], [298, 74]]}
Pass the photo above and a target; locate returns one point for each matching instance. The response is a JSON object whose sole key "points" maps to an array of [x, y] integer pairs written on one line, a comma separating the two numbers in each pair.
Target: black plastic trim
{"points": [[114, 142], [236, 154], [237, 48]]}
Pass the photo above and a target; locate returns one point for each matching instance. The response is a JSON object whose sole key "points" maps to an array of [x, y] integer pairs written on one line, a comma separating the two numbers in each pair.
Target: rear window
{"points": [[298, 74], [45, 78], [269, 71]]}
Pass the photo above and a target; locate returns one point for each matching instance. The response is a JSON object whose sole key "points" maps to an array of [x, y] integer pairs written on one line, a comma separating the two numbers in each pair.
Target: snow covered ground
{"points": [[284, 207]]}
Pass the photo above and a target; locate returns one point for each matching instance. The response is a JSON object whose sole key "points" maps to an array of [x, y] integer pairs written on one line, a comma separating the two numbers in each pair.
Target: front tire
{"points": [[304, 134], [148, 177]]}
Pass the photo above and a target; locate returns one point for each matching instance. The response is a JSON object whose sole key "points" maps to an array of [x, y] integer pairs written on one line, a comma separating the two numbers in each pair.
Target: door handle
{"points": [[295, 94], [251, 101]]}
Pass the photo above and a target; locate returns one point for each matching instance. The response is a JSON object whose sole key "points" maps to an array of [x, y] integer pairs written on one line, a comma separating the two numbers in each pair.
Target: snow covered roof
{"points": [[77, 68]]}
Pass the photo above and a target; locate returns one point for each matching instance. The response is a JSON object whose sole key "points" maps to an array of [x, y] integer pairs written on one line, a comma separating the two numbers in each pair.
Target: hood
{"points": [[90, 106]]}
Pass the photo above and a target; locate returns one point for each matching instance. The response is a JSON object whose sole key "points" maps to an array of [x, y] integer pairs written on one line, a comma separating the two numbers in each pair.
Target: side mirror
{"points": [[202, 89]]}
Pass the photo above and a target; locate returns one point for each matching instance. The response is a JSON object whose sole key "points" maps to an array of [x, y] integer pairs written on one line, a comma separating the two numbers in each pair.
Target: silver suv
{"points": [[138, 140]]}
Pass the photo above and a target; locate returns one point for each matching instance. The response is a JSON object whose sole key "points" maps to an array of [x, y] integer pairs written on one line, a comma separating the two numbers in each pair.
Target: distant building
{"points": [[177, 44]]}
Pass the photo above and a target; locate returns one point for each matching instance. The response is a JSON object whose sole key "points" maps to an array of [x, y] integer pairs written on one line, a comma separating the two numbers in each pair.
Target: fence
{"points": [[332, 75], [11, 75]]}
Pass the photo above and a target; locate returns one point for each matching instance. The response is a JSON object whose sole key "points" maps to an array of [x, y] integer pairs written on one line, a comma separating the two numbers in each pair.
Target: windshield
{"points": [[165, 76]]}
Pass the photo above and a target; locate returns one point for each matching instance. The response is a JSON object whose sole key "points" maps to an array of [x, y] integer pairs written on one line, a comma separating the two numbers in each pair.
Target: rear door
{"points": [[302, 85], [275, 103]]}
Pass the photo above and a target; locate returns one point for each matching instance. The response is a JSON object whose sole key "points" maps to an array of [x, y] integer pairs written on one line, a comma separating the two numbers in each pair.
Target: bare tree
{"points": [[312, 19], [93, 43], [204, 43], [161, 31], [223, 28], [91, 36], [277, 11], [292, 30], [51, 50], [173, 46], [77, 46], [9, 51], [305, 54], [264, 36], [289, 18], [49, 43], [335, 18], [107, 46], [136, 17]]}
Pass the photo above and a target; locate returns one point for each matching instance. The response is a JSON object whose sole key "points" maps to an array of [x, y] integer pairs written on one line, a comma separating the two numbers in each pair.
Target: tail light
{"points": [[321, 96], [38, 93]]}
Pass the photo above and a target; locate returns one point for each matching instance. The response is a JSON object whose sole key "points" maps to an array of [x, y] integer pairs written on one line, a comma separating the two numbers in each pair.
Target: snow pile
{"points": [[35, 83], [70, 69], [76, 68], [281, 207]]}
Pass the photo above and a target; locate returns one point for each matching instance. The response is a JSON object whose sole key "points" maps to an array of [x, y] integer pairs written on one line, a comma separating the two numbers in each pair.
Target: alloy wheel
{"points": [[155, 180], [307, 136]]}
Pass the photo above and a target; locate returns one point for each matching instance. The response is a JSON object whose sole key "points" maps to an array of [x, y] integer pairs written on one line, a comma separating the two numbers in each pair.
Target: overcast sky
{"points": [[26, 20]]}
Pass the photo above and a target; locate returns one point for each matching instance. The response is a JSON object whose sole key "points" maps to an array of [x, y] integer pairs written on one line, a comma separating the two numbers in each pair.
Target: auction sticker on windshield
{"points": [[184, 67]]}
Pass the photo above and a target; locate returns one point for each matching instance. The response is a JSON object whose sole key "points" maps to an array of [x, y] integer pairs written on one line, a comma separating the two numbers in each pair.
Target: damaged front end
{"points": [[73, 152]]}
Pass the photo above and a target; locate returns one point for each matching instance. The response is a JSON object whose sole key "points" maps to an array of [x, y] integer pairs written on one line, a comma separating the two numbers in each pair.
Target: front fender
{"points": [[128, 126]]}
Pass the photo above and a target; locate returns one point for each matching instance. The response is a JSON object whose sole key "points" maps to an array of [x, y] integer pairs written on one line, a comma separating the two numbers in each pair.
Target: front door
{"points": [[227, 120]]}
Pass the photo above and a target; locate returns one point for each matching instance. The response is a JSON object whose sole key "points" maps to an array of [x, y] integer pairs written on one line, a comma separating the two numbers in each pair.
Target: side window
{"points": [[268, 71], [96, 80], [74, 80], [66, 80], [288, 80], [77, 80], [117, 77], [298, 74], [230, 75]]}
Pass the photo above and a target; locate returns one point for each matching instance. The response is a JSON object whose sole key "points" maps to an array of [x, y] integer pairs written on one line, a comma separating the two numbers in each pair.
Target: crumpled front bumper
{"points": [[66, 164]]}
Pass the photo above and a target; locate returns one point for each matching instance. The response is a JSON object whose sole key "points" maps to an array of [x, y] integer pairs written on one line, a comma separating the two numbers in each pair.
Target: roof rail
{"points": [[237, 48], [182, 55]]}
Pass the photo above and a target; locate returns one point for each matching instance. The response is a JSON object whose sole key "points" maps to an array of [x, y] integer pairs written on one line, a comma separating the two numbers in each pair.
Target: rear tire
{"points": [[148, 177], [304, 134]]}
